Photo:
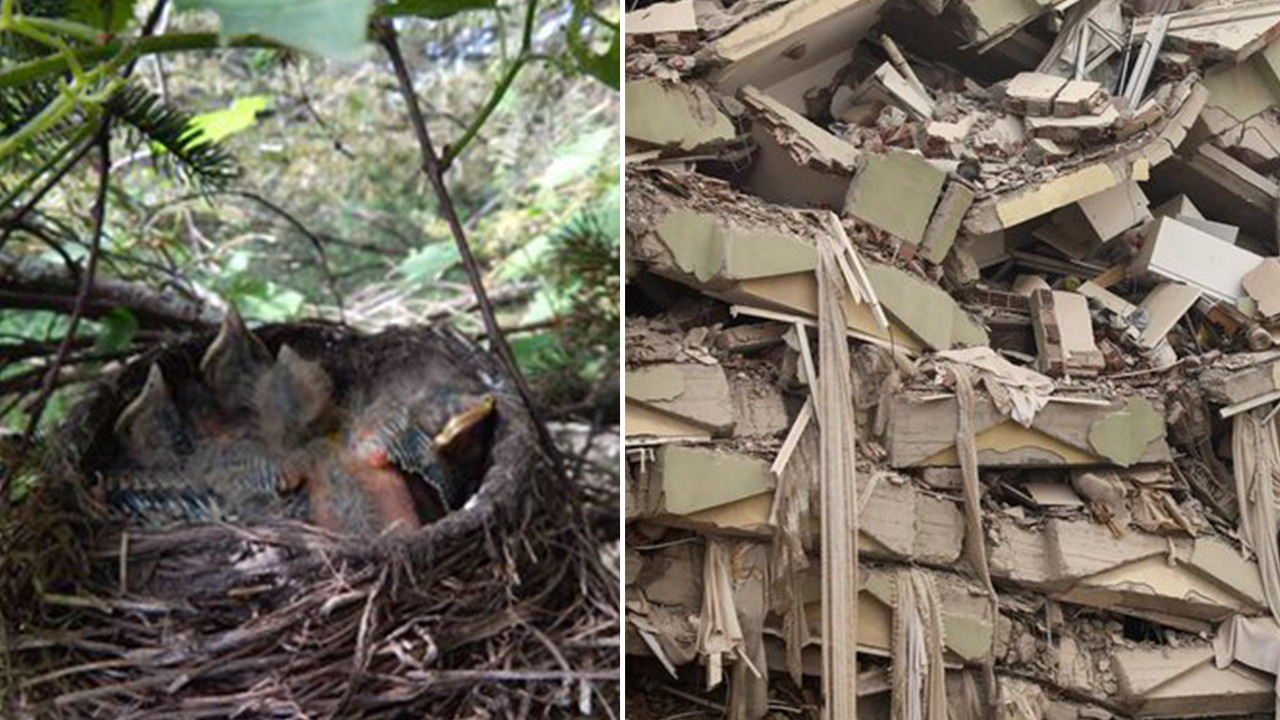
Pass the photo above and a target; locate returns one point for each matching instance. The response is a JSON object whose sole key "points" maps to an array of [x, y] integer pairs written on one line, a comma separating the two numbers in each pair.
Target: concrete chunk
{"points": [[674, 115], [896, 192], [800, 163], [927, 311], [1031, 93], [1168, 682], [709, 249], [694, 479], [698, 394], [790, 49], [945, 223], [1165, 305], [1079, 97]]}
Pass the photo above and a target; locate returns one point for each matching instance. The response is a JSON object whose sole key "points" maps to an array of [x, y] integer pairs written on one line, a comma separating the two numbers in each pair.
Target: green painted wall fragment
{"points": [[655, 383], [895, 192], [761, 253], [1123, 436], [674, 115], [927, 311], [693, 240], [694, 479], [707, 248]]}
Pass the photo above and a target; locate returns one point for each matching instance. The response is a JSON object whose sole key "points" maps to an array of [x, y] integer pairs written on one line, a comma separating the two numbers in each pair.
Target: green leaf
{"points": [[532, 350], [433, 9], [274, 305], [334, 28], [112, 16], [429, 262], [604, 67], [118, 329], [219, 124]]}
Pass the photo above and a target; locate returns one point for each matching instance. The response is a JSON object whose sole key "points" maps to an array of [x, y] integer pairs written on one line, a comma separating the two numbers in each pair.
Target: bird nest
{"points": [[500, 608]]}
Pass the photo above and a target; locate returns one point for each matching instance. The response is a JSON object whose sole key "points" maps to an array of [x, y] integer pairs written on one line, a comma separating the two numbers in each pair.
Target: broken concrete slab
{"points": [[1223, 187], [987, 21], [940, 235], [1173, 249], [1008, 209], [662, 18], [1122, 437], [1083, 562], [1257, 375], [1165, 305], [644, 421], [800, 163], [921, 433], [968, 630], [1173, 682], [686, 480], [1104, 215], [1241, 91], [674, 115], [697, 394], [1263, 285], [896, 192], [1074, 130], [1220, 32], [885, 86], [903, 523], [796, 295], [928, 312], [1080, 97], [710, 249], [1031, 93], [787, 50]]}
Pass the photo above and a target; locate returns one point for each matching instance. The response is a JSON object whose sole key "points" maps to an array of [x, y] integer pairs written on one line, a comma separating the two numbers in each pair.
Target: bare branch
{"points": [[103, 143], [435, 172]]}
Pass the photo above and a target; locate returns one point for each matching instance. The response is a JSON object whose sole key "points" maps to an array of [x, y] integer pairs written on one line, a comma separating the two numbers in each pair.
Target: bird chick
{"points": [[294, 401], [441, 470], [233, 363], [150, 428], [299, 421]]}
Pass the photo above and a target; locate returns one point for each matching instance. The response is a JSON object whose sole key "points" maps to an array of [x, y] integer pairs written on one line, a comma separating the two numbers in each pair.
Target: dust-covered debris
{"points": [[1046, 235]]}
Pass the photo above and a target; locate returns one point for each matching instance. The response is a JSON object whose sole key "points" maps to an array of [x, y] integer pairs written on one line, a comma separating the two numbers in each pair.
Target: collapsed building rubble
{"points": [[953, 338]]}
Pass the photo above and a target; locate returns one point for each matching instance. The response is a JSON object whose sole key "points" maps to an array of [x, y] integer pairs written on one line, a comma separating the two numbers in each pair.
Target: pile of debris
{"points": [[953, 336]]}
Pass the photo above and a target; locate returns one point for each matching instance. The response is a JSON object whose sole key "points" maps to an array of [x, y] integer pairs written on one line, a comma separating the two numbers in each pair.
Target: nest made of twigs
{"points": [[503, 608]]}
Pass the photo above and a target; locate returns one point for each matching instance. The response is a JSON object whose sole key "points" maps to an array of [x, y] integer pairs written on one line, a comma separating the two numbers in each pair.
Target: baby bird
{"points": [[442, 470], [233, 363], [300, 421], [150, 428]]}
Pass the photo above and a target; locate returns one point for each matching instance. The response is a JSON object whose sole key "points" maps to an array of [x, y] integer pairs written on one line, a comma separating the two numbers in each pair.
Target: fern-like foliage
{"points": [[179, 148], [586, 266], [188, 153]]}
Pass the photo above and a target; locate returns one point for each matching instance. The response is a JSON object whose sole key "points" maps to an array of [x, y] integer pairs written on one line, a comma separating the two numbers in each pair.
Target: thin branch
{"points": [[103, 142], [435, 172], [313, 238], [453, 150], [14, 220]]}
